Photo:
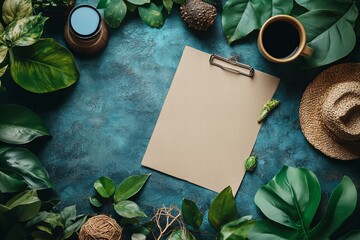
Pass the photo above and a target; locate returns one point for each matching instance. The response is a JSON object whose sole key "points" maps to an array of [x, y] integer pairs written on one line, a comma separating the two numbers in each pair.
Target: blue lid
{"points": [[85, 20]]}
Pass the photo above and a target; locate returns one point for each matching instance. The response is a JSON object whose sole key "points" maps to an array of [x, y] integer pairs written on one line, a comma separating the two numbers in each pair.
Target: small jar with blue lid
{"points": [[86, 32]]}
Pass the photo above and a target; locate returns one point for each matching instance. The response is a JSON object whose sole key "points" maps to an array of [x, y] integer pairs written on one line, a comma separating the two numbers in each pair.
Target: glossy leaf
{"points": [[238, 229], [139, 2], [222, 209], [73, 228], [103, 4], [191, 213], [341, 205], [24, 206], [43, 67], [269, 230], [104, 186], [241, 17], [327, 35], [25, 31], [128, 209], [151, 15], [336, 5], [20, 125], [290, 198], [16, 9], [180, 234], [95, 202], [19, 166], [115, 13], [168, 4], [3, 53], [130, 186]]}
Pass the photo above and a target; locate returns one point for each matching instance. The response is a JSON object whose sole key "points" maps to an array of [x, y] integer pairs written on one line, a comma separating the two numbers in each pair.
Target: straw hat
{"points": [[330, 112]]}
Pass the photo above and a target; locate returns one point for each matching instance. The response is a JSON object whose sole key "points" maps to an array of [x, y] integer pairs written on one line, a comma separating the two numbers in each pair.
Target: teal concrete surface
{"points": [[101, 126]]}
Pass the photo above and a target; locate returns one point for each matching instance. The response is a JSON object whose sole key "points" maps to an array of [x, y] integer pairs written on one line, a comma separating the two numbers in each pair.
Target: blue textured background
{"points": [[101, 126]]}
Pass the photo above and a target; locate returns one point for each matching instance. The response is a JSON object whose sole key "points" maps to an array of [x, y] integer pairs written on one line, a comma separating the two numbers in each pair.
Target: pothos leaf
{"points": [[241, 17], [3, 53], [128, 209], [151, 15], [20, 125], [327, 35], [16, 9], [3, 70], [104, 186], [25, 31], [43, 67], [103, 4], [18, 166], [115, 13], [131, 7]]}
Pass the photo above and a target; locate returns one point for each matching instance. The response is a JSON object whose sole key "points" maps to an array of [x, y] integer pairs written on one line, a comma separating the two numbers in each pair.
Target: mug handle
{"points": [[307, 51]]}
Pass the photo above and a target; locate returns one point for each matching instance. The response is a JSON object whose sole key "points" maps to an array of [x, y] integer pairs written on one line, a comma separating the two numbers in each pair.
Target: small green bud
{"points": [[250, 163]]}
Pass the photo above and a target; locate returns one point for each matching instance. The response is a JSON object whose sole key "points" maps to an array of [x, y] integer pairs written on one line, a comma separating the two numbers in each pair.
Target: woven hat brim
{"points": [[313, 98]]}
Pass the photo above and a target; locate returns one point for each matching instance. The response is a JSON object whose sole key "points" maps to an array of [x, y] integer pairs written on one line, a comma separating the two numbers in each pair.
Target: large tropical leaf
{"points": [[223, 209], [115, 13], [20, 125], [151, 14], [341, 205], [43, 67], [290, 201], [331, 38], [241, 17], [25, 31], [336, 5], [19, 169], [16, 9]]}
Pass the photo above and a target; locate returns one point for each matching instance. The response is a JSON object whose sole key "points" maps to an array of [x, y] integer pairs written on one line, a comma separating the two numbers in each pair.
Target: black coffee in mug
{"points": [[281, 39]]}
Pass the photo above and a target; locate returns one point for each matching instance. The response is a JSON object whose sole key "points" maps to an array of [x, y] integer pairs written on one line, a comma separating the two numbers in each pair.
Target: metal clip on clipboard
{"points": [[250, 70]]}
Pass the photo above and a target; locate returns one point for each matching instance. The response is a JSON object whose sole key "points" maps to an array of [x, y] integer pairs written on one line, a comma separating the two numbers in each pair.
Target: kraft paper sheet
{"points": [[208, 124]]}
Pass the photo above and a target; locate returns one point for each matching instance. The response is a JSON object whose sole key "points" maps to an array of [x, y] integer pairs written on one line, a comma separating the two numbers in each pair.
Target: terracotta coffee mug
{"points": [[282, 39]]}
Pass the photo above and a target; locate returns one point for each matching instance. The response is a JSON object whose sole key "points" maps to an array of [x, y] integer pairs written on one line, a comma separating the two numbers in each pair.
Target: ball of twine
{"points": [[100, 227]]}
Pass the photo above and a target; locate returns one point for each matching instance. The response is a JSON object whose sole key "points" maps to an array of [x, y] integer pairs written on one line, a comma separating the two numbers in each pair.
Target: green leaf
{"points": [[128, 209], [138, 2], [25, 31], [115, 13], [191, 213], [131, 7], [151, 15], [180, 234], [336, 5], [241, 17], [138, 236], [341, 205], [103, 4], [2, 87], [3, 53], [20, 125], [130, 186], [40, 217], [238, 229], [18, 165], [95, 202], [68, 213], [43, 67], [327, 30], [24, 206], [222, 209], [353, 235], [73, 228], [269, 230], [179, 1], [168, 4], [16, 9], [104, 186], [290, 198]]}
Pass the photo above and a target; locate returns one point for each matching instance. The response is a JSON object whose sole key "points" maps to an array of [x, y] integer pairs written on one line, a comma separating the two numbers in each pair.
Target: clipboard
{"points": [[208, 124]]}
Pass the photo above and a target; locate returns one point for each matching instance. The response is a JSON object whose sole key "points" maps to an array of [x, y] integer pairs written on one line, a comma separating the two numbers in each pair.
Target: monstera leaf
{"points": [[290, 201], [20, 125], [43, 67], [241, 17], [20, 169]]}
